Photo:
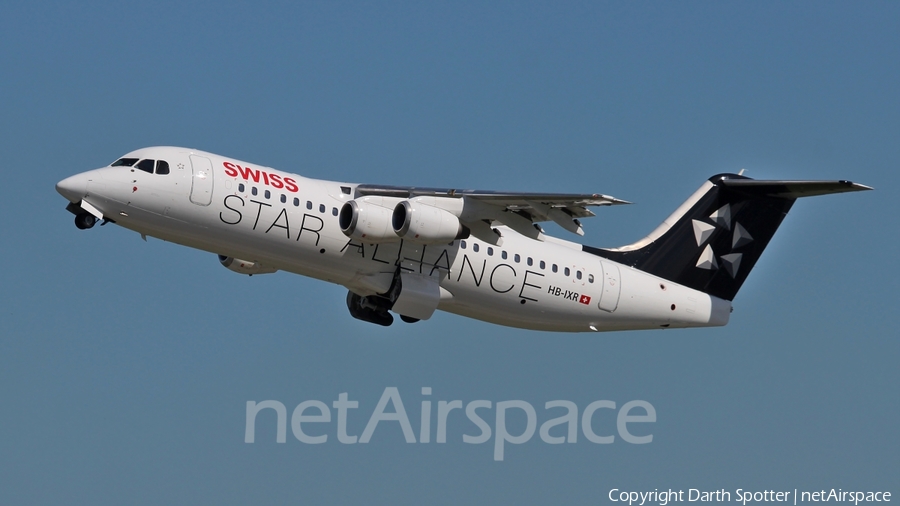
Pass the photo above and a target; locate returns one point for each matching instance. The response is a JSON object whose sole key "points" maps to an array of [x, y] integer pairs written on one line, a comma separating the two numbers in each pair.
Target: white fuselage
{"points": [[287, 222]]}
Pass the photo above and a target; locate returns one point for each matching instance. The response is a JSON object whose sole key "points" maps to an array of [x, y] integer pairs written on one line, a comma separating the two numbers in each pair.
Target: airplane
{"points": [[480, 254]]}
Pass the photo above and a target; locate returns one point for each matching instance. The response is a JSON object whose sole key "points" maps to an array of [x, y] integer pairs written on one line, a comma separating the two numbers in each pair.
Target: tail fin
{"points": [[711, 242]]}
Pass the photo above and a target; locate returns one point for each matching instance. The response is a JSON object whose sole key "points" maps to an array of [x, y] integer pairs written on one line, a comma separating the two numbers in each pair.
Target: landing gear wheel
{"points": [[408, 319], [363, 310], [85, 221]]}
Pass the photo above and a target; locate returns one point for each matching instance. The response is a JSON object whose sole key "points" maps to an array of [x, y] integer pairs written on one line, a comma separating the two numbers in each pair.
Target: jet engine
{"points": [[244, 266], [420, 223], [368, 219]]}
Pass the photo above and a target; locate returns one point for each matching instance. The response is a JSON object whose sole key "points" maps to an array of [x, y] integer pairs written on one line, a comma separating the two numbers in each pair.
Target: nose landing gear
{"points": [[85, 221]]}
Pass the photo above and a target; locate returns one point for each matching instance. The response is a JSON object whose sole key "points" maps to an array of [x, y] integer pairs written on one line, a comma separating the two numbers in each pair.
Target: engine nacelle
{"points": [[368, 219], [423, 224], [244, 266]]}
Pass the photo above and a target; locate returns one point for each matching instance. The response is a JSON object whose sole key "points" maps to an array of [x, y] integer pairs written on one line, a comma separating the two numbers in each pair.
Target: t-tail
{"points": [[713, 240]]}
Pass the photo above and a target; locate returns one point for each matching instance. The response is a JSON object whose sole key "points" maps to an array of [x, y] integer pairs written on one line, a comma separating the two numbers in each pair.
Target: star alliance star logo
{"points": [[704, 231]]}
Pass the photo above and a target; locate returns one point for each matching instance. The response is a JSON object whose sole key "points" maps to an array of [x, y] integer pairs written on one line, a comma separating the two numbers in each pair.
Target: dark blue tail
{"points": [[715, 238]]}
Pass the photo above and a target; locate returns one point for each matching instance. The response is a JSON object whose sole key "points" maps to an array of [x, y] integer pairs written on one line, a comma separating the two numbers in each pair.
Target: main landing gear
{"points": [[373, 309], [370, 309]]}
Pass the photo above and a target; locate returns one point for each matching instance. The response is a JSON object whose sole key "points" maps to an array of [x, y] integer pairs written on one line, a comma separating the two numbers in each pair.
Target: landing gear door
{"points": [[419, 296], [609, 298], [202, 180]]}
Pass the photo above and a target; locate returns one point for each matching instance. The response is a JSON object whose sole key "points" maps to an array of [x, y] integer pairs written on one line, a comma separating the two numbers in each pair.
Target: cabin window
{"points": [[475, 247], [543, 265], [490, 251], [253, 190], [308, 204], [462, 244], [567, 271], [124, 162], [530, 262], [590, 278], [517, 258], [162, 167], [268, 194], [296, 202], [321, 208], [146, 165], [503, 255], [334, 211], [578, 274], [283, 199], [555, 268], [241, 187]]}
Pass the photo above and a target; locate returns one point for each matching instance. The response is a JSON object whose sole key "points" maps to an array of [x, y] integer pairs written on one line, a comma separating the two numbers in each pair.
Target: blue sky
{"points": [[125, 366]]}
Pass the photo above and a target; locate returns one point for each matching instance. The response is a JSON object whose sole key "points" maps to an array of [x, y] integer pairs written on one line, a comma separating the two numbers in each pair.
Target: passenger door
{"points": [[201, 181], [609, 299]]}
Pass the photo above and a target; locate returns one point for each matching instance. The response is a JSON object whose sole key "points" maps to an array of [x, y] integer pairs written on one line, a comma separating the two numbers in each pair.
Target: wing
{"points": [[518, 211]]}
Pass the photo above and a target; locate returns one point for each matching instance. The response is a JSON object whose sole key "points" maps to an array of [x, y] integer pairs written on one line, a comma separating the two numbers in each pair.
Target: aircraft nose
{"points": [[73, 188]]}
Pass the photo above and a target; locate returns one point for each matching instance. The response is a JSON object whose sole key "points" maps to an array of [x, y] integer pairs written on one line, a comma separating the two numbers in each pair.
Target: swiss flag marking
{"points": [[584, 299]]}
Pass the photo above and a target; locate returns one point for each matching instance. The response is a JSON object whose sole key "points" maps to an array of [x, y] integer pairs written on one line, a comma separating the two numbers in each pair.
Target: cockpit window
{"points": [[145, 165], [124, 162], [162, 167]]}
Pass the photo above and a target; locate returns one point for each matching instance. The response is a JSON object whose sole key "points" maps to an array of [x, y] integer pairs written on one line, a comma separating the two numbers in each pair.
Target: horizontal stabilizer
{"points": [[791, 189]]}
